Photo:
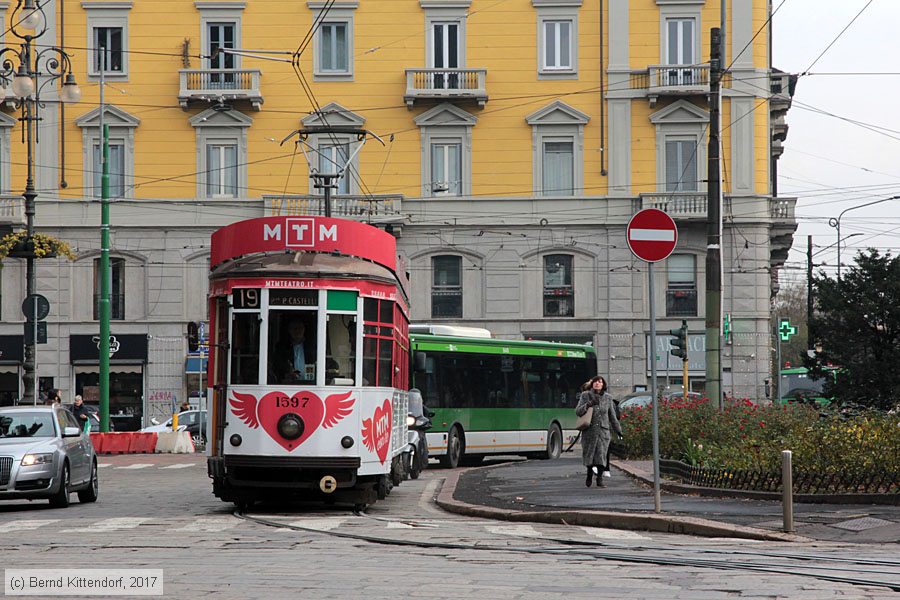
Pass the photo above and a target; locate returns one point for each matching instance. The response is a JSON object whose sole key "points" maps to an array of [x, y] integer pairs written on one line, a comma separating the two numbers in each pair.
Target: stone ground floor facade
{"points": [[541, 268]]}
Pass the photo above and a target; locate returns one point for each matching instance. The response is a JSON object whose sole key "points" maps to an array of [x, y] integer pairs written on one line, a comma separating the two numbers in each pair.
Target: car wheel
{"points": [[61, 498], [92, 491], [455, 449]]}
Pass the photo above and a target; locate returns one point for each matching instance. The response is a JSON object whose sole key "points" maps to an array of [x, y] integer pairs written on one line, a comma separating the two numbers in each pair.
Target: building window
{"points": [[680, 41], [558, 167], [222, 171], [333, 48], [681, 165], [116, 170], [222, 36], [108, 49], [116, 289], [559, 294], [446, 168], [681, 290], [107, 39], [557, 45], [446, 287], [333, 159]]}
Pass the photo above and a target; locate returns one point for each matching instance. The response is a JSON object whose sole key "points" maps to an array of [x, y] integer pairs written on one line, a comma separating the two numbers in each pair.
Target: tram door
{"points": [[219, 366]]}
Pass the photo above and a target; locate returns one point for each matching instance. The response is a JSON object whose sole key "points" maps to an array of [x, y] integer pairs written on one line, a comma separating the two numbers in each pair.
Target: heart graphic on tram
{"points": [[275, 407], [377, 430]]}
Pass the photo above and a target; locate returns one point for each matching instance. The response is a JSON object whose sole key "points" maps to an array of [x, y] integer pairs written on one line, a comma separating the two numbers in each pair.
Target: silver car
{"points": [[44, 453]]}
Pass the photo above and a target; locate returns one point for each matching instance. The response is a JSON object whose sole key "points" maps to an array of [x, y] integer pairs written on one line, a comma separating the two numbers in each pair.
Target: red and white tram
{"points": [[309, 359]]}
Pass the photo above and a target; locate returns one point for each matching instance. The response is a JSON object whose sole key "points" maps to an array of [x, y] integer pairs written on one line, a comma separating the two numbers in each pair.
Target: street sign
{"points": [[41, 332], [651, 235], [38, 301], [786, 330]]}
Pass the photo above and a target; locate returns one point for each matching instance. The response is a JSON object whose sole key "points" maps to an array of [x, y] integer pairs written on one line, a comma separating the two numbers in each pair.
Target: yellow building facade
{"points": [[514, 140]]}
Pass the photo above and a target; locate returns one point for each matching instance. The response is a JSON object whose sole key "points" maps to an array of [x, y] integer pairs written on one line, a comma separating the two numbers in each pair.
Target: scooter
{"points": [[418, 421]]}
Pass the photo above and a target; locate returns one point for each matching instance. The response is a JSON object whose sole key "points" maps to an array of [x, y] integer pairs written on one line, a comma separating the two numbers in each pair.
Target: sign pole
{"points": [[656, 495], [103, 307], [651, 236], [37, 380], [777, 362]]}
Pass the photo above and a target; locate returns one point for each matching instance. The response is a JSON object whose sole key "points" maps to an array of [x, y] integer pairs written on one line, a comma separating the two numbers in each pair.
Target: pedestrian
{"points": [[185, 405], [596, 438], [607, 472], [80, 411], [53, 398]]}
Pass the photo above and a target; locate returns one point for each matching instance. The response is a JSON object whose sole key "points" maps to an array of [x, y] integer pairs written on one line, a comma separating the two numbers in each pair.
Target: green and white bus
{"points": [[495, 396]]}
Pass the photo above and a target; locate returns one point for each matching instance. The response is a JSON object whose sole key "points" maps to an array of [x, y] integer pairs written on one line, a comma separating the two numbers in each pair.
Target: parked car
{"points": [[93, 413], [680, 396], [187, 420], [45, 454], [635, 400]]}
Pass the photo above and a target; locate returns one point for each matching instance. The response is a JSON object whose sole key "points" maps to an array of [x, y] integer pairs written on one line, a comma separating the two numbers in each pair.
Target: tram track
{"points": [[629, 554]]}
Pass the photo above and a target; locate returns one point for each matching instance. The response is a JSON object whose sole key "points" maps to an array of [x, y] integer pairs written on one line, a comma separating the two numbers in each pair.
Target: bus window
{"points": [[340, 339], [245, 332], [292, 346]]}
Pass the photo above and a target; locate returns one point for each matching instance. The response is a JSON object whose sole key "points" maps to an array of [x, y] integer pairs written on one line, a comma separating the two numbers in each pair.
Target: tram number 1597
{"points": [[285, 402]]}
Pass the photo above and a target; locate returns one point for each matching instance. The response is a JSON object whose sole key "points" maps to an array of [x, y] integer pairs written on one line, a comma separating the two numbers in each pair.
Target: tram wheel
{"points": [[554, 443], [455, 449]]}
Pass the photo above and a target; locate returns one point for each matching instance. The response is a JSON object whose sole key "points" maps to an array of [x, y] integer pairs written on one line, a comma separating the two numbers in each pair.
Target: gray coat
{"points": [[595, 439]]}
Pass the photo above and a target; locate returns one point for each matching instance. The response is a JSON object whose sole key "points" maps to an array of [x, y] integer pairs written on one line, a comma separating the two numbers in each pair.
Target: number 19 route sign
{"points": [[652, 235]]}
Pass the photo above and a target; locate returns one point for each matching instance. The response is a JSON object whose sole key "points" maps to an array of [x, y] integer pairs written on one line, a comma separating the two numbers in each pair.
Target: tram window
{"points": [[340, 342], [370, 360], [385, 352], [292, 346], [386, 311], [245, 332]]}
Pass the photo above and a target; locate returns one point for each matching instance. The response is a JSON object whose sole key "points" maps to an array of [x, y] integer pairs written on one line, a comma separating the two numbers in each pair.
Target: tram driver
{"points": [[293, 355]]}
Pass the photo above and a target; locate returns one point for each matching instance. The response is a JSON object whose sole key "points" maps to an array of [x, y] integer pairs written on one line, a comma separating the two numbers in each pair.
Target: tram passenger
{"points": [[291, 355]]}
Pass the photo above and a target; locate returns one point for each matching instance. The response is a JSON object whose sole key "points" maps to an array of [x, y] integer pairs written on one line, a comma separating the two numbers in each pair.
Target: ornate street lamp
{"points": [[31, 73]]}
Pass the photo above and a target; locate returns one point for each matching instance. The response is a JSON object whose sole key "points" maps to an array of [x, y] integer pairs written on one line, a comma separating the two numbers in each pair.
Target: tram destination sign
{"points": [[293, 298]]}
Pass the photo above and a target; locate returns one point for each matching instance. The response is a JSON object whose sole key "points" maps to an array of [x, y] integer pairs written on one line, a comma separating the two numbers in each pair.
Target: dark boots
{"points": [[590, 474]]}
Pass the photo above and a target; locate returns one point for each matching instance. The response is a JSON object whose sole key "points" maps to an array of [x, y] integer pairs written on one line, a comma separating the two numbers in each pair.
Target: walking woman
{"points": [[595, 439]]}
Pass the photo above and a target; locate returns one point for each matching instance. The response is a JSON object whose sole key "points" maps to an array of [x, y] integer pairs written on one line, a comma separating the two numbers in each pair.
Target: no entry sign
{"points": [[652, 235]]}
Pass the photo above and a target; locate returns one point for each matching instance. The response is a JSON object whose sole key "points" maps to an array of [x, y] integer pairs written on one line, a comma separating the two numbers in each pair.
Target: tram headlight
{"points": [[410, 421], [347, 441], [235, 439], [290, 426]]}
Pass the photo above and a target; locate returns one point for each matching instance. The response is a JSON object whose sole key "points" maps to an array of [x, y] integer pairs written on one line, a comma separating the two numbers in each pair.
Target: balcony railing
{"points": [[684, 205], [446, 84], [681, 303], [219, 84], [12, 210], [375, 208]]}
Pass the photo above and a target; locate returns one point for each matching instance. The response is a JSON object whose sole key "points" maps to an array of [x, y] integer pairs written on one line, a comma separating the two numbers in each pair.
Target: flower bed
{"points": [[749, 437]]}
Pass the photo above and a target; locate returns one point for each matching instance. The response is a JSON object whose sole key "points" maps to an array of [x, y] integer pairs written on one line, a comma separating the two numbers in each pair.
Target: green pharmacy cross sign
{"points": [[786, 330]]}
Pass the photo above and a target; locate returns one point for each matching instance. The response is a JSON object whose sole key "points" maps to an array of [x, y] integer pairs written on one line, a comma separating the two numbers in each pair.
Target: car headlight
{"points": [[37, 459]]}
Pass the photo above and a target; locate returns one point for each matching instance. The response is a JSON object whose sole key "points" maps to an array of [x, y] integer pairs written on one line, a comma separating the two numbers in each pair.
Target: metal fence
{"points": [[805, 482]]}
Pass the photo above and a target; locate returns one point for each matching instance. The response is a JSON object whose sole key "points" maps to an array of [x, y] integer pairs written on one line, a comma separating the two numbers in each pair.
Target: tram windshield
{"points": [[292, 346]]}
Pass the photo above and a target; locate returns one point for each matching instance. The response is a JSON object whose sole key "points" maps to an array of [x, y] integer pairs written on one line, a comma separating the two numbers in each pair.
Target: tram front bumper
{"points": [[283, 472]]}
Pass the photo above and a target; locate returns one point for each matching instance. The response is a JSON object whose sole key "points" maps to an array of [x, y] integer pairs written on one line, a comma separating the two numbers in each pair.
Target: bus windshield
{"points": [[798, 384]]}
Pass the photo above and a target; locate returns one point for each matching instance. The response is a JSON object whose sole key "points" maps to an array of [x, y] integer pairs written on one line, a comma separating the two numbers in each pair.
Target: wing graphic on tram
{"points": [[337, 406], [368, 432], [244, 406]]}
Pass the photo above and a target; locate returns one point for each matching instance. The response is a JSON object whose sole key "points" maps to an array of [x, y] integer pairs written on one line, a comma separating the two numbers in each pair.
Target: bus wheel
{"points": [[455, 449], [554, 443]]}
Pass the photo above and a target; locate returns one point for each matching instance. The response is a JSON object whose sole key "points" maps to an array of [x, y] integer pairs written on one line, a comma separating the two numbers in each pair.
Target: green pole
{"points": [[104, 284]]}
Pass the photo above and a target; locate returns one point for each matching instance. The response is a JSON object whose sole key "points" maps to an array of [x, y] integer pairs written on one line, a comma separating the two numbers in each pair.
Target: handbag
{"points": [[584, 421]]}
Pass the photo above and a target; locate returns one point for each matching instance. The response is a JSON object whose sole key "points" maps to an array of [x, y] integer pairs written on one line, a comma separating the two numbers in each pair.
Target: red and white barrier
{"points": [[139, 442]]}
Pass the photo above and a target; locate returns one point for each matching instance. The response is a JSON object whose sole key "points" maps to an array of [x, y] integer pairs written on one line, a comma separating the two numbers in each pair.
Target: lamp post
{"points": [[836, 223], [31, 72]]}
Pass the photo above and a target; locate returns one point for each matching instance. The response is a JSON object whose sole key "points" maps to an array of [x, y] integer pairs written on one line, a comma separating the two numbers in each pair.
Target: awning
{"points": [[113, 369], [192, 365], [11, 349], [132, 349]]}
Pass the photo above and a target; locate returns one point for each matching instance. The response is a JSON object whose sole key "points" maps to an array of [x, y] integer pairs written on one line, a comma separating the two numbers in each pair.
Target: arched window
{"points": [[116, 290], [446, 287], [559, 289]]}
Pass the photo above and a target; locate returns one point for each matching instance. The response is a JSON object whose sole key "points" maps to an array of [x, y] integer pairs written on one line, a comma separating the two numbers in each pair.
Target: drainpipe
{"points": [[602, 100], [62, 105]]}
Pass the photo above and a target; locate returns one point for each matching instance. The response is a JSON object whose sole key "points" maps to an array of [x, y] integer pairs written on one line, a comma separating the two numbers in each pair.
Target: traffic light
{"points": [[193, 336], [679, 341]]}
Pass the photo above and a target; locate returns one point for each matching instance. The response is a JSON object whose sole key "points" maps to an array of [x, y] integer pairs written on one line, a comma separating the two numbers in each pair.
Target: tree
{"points": [[858, 322]]}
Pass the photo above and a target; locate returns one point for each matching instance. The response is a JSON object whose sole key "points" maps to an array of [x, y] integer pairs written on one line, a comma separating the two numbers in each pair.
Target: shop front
{"points": [[11, 358], [127, 367]]}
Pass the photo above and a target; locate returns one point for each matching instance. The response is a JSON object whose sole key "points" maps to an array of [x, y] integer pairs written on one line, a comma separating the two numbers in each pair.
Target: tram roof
{"points": [[312, 265]]}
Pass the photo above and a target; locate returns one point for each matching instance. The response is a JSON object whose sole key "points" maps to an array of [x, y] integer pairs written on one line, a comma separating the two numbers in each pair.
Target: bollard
{"points": [[787, 491], [174, 421]]}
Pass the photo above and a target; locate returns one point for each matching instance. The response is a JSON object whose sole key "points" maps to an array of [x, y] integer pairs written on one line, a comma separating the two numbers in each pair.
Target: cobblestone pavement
{"points": [[159, 512]]}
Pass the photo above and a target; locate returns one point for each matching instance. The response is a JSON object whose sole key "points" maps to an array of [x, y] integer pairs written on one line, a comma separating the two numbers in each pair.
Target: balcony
{"points": [[12, 211], [672, 80], [446, 84], [681, 303], [679, 205], [371, 209], [219, 85]]}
